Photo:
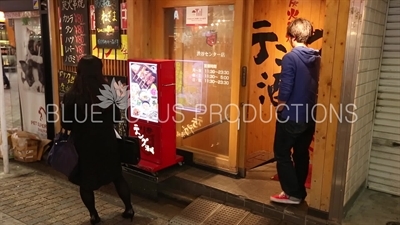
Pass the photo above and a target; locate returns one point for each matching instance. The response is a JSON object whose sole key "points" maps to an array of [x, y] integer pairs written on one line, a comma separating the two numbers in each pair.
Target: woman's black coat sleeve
{"points": [[67, 113]]}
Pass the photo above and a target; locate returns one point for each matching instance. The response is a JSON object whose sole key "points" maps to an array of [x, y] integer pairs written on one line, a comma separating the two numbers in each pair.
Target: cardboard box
{"points": [[28, 147], [25, 146]]}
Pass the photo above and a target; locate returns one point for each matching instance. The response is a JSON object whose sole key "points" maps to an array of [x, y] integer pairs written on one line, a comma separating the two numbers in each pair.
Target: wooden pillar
{"points": [[139, 27], [244, 90], [55, 54], [330, 84]]}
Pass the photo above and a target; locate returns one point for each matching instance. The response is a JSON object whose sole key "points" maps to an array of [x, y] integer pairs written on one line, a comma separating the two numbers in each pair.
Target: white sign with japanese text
{"points": [[197, 15]]}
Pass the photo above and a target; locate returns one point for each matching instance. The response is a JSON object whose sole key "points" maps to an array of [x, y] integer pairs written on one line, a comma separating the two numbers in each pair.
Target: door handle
{"points": [[167, 85], [244, 76]]}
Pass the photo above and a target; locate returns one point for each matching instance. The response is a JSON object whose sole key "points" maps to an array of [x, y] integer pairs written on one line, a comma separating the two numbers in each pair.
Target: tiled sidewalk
{"points": [[31, 197]]}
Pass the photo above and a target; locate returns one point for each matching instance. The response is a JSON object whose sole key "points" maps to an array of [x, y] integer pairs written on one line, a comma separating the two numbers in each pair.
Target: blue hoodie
{"points": [[299, 84]]}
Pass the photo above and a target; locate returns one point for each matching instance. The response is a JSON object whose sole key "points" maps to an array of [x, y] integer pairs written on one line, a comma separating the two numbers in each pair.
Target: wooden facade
{"points": [[265, 71], [252, 142]]}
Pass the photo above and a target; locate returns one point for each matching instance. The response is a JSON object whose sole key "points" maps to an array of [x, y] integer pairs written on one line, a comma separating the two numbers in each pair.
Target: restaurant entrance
{"points": [[205, 41]]}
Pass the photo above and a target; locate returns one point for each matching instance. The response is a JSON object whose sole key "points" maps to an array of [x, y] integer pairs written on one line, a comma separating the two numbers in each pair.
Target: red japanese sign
{"points": [[92, 18], [59, 19], [292, 13], [124, 17], [293, 3]]}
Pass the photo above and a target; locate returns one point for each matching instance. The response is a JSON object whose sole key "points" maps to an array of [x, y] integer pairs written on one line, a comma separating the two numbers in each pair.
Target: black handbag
{"points": [[63, 156], [129, 150]]}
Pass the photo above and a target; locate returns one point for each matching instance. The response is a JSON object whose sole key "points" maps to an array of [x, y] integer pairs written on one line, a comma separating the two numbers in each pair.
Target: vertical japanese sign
{"points": [[59, 18], [92, 18], [292, 13], [261, 39], [75, 32], [124, 17], [107, 16]]}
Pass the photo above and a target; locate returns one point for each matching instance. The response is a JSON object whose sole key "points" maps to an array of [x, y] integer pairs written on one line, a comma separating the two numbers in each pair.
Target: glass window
{"points": [[200, 39]]}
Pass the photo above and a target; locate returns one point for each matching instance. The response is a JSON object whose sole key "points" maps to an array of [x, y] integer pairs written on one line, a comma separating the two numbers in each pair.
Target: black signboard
{"points": [[108, 30], [75, 30], [65, 81]]}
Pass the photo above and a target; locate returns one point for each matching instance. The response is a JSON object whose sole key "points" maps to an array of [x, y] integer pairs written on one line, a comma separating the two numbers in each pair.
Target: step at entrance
{"points": [[206, 212]]}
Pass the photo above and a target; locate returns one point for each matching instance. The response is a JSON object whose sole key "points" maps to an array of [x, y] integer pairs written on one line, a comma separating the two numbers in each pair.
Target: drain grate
{"points": [[393, 223], [226, 216], [195, 213], [258, 220]]}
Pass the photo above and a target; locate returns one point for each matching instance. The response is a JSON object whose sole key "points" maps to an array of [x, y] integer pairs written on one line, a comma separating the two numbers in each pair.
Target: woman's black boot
{"points": [[128, 213], [94, 219]]}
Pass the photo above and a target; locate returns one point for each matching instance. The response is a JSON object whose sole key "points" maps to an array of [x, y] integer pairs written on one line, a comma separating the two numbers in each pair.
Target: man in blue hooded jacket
{"points": [[295, 124]]}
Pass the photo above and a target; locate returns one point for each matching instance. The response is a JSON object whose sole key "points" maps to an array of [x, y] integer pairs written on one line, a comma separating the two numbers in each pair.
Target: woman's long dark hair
{"points": [[88, 81]]}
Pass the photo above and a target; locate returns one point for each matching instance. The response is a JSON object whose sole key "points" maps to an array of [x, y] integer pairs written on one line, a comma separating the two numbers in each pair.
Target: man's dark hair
{"points": [[300, 29]]}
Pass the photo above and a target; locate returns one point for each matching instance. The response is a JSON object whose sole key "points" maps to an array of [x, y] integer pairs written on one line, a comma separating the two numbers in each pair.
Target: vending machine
{"points": [[152, 114]]}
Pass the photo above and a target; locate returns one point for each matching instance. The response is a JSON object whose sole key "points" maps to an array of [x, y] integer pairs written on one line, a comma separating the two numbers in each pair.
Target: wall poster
{"points": [[197, 15], [107, 16]]}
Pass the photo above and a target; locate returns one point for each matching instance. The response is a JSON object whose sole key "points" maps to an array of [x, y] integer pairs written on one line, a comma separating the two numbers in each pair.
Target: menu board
{"points": [[107, 17], [65, 81], [75, 30], [143, 91]]}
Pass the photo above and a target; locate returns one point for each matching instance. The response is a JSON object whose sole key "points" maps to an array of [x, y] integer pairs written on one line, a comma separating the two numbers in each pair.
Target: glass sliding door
{"points": [[202, 42]]}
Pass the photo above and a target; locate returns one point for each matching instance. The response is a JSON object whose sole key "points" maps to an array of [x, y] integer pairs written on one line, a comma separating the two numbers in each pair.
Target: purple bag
{"points": [[63, 156]]}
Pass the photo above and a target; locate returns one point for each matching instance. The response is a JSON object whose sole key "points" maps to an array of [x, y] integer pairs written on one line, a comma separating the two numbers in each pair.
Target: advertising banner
{"points": [[31, 78]]}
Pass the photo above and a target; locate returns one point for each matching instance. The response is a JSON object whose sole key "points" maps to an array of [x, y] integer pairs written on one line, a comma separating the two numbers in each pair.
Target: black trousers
{"points": [[293, 173], [5, 80]]}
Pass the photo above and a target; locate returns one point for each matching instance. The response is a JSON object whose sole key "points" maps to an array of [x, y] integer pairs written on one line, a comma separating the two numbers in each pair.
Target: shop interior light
{"points": [[2, 18]]}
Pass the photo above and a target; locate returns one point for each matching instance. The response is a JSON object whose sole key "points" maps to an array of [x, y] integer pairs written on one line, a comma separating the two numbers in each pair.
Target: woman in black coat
{"points": [[92, 129]]}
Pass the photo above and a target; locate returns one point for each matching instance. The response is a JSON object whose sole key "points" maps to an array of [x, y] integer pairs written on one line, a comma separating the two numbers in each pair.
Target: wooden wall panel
{"points": [[261, 114], [330, 89], [139, 15]]}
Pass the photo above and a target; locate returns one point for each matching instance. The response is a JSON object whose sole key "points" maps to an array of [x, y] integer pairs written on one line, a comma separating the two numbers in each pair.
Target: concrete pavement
{"points": [[35, 194], [30, 196]]}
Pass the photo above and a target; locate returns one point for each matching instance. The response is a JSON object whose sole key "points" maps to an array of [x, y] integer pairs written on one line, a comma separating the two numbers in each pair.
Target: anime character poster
{"points": [[31, 78]]}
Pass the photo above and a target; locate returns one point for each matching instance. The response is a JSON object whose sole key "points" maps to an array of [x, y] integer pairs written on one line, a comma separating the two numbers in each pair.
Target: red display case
{"points": [[151, 113]]}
